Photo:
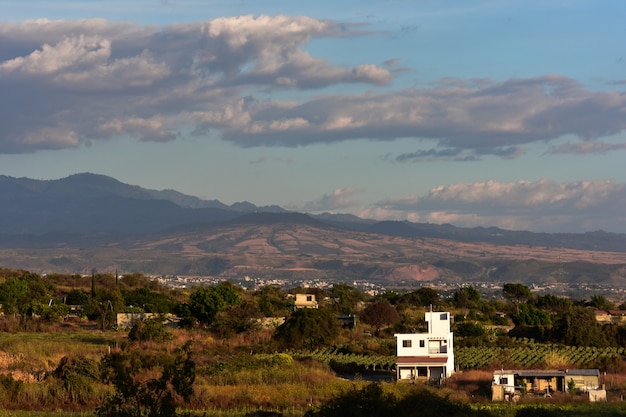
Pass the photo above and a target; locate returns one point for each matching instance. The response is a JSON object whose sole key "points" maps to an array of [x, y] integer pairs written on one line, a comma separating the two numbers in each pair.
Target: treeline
{"points": [[227, 309]]}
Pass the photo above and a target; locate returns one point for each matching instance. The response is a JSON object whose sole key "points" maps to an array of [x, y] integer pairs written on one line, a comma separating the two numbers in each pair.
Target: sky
{"points": [[473, 113]]}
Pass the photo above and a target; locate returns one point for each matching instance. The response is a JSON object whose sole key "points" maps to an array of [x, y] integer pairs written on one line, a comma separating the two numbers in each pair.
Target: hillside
{"points": [[89, 221]]}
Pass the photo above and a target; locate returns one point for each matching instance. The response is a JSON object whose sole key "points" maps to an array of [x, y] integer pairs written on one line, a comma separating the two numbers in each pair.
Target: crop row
{"points": [[524, 356]]}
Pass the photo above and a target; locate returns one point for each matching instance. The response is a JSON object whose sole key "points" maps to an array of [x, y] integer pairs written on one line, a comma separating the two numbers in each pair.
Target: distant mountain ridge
{"points": [[90, 204]]}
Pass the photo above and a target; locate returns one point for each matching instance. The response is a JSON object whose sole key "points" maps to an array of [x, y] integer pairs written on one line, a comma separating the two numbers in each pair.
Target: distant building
{"points": [[306, 301], [128, 320], [510, 384], [426, 356], [610, 316]]}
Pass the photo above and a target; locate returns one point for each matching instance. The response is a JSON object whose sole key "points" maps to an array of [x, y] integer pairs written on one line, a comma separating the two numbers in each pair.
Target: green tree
{"points": [[148, 300], [206, 302], [308, 328], [466, 297], [530, 315], [578, 327], [469, 329], [14, 295], [76, 297], [600, 302], [516, 293], [104, 307], [272, 301], [346, 298], [424, 296]]}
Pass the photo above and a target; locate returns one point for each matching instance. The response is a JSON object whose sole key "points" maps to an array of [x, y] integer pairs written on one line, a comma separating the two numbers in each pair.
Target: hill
{"points": [[86, 221]]}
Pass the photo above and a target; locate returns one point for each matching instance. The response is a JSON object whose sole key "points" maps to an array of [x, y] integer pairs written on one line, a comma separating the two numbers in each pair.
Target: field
{"points": [[234, 381]]}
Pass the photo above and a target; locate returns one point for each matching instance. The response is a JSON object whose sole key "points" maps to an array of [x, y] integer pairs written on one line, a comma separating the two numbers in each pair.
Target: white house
{"points": [[426, 356], [305, 301]]}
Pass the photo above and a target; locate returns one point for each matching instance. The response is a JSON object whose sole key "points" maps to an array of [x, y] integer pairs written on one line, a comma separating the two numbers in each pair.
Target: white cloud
{"points": [[88, 75], [340, 198], [542, 206]]}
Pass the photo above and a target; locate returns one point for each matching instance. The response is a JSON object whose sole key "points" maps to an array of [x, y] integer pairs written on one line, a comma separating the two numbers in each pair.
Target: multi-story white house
{"points": [[426, 356]]}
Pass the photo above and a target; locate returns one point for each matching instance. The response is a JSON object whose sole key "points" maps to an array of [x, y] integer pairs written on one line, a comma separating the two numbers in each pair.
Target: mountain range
{"points": [[87, 219]]}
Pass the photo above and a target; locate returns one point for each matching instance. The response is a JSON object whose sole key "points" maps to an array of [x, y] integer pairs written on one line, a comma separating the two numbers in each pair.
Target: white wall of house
{"points": [[437, 342]]}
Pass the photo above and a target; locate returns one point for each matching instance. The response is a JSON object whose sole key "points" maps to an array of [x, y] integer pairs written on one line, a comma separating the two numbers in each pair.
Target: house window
{"points": [[444, 316], [504, 381], [421, 343], [309, 298], [406, 343]]}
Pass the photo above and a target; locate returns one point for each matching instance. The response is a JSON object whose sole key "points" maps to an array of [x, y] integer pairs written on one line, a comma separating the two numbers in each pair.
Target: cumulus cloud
{"points": [[340, 198], [100, 79], [542, 206], [97, 79]]}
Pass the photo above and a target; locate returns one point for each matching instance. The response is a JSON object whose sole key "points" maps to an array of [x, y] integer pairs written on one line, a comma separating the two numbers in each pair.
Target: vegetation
{"points": [[224, 357]]}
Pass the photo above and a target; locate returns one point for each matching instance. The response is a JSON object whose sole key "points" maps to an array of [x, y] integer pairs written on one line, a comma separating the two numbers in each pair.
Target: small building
{"points": [[306, 301], [126, 321], [426, 356], [510, 384], [617, 317]]}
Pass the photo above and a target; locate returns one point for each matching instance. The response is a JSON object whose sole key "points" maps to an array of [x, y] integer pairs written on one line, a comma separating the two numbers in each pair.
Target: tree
{"points": [[104, 307], [14, 295], [530, 315], [380, 314], [425, 296], [346, 298], [469, 329], [206, 302], [152, 329], [308, 328], [150, 301], [600, 302], [466, 297], [516, 293], [136, 394], [578, 327], [272, 301]]}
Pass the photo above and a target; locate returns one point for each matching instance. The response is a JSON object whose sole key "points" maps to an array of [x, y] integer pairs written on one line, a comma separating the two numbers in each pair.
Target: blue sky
{"points": [[474, 113]]}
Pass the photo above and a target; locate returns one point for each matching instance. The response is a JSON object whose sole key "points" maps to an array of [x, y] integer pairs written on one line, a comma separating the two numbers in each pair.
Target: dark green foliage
{"points": [[236, 319], [104, 307], [152, 329], [206, 302], [149, 397], [529, 315], [600, 302], [423, 297], [272, 301], [14, 295], [371, 401], [578, 327], [150, 301], [516, 293], [345, 298], [76, 297], [552, 302], [466, 297], [469, 329], [308, 328]]}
